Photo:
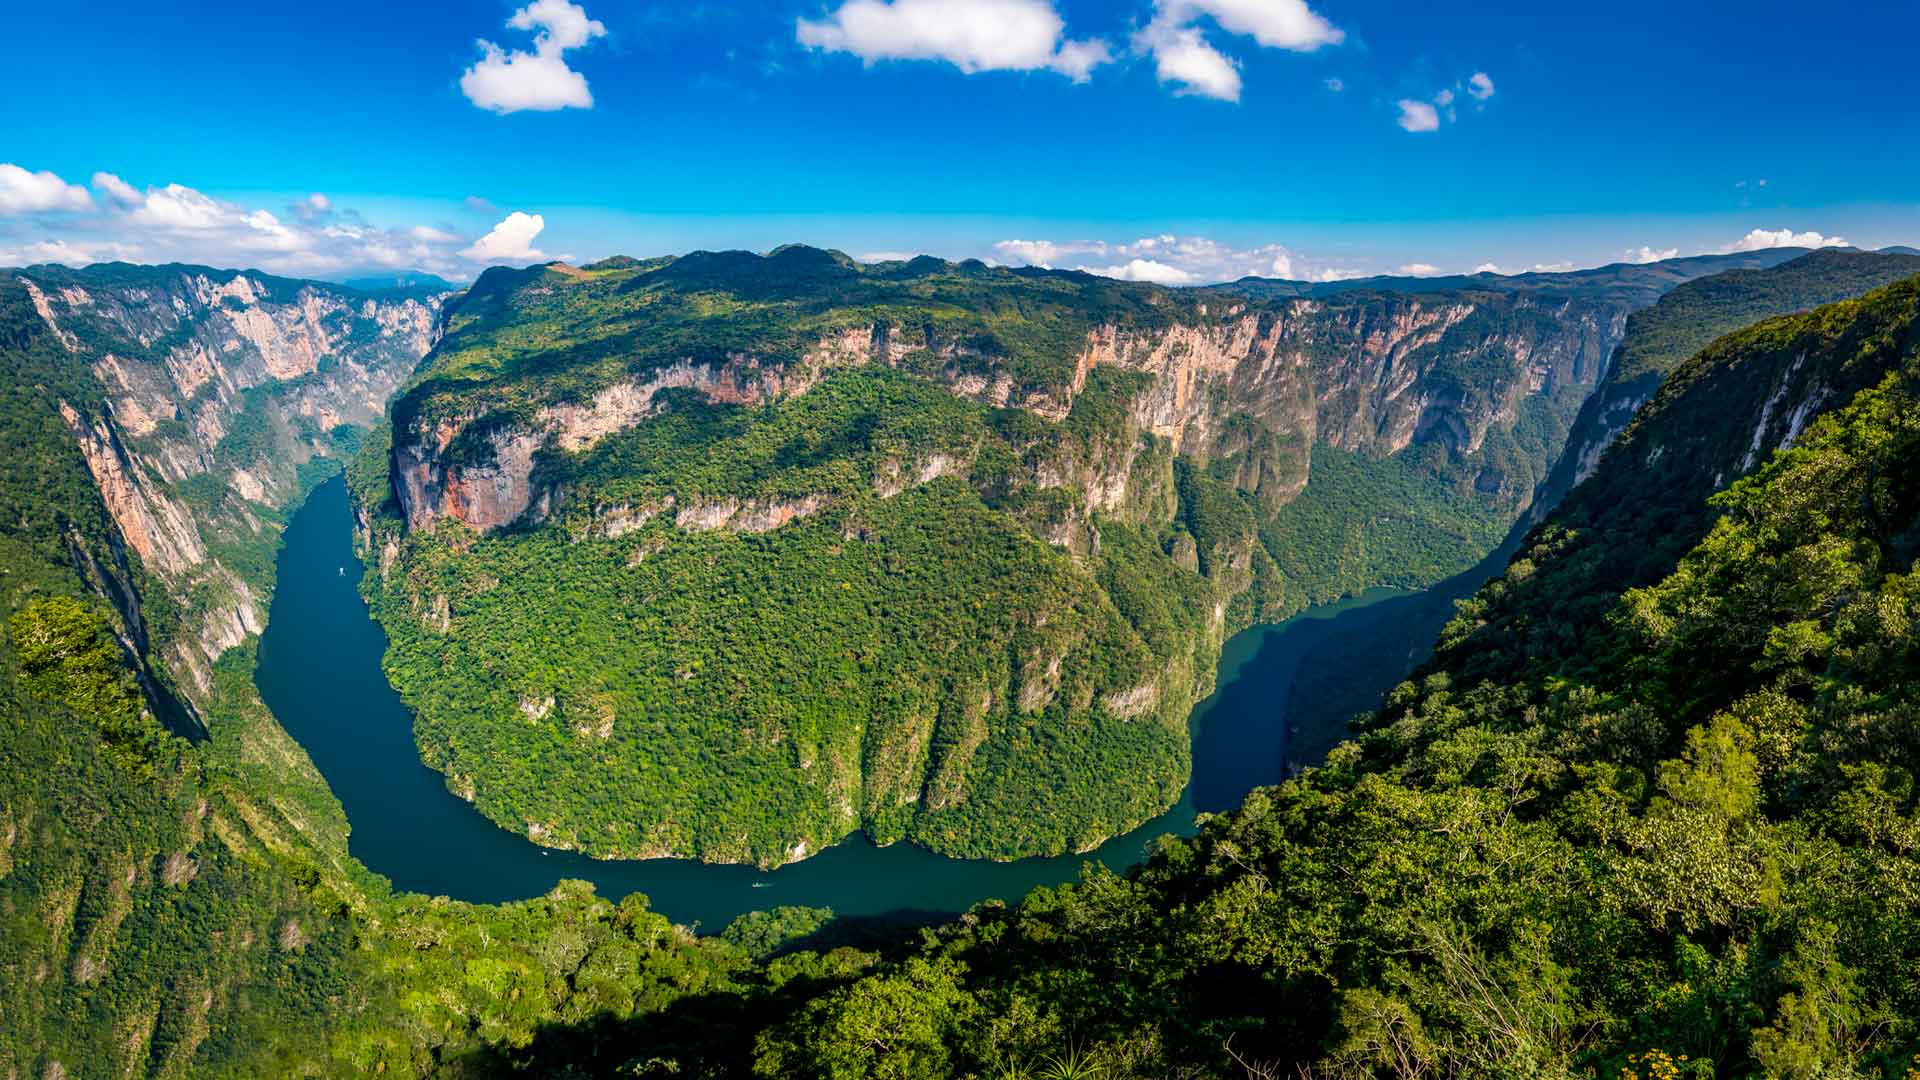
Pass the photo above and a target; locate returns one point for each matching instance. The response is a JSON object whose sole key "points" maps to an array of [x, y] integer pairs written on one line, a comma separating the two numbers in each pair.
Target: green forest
{"points": [[838, 591], [1649, 810]]}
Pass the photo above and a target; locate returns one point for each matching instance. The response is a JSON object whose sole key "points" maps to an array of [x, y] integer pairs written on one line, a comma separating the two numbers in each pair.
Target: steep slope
{"points": [[1648, 813], [683, 532], [1661, 337], [187, 908], [1350, 673], [198, 398]]}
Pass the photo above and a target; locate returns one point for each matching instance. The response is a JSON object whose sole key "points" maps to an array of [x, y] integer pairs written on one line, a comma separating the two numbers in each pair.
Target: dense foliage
{"points": [[917, 664], [1679, 842], [1649, 811], [520, 338], [778, 547], [1687, 319]]}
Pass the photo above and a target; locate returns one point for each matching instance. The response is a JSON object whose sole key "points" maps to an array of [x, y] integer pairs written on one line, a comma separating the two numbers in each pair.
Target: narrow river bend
{"points": [[319, 671]]}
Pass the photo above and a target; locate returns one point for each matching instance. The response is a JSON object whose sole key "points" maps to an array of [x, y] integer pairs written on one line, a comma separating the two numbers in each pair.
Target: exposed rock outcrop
{"points": [[215, 388], [1256, 384]]}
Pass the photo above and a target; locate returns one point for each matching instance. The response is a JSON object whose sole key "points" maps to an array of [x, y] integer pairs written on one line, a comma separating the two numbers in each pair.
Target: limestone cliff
{"points": [[1256, 385], [1662, 337], [768, 525], [211, 390]]}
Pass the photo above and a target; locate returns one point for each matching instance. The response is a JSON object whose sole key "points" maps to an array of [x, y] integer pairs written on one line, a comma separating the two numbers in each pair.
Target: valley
{"points": [[410, 829], [623, 500], [190, 814]]}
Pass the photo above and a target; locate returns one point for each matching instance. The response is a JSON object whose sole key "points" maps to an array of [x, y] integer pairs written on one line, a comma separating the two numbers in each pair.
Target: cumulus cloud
{"points": [[67, 253], [1427, 114], [23, 192], [1165, 259], [1336, 273], [1275, 24], [540, 80], [1761, 239], [972, 35], [1418, 116], [1645, 254], [1419, 269], [509, 241], [1041, 252], [177, 223], [116, 189], [1149, 270], [1185, 59], [1486, 268]]}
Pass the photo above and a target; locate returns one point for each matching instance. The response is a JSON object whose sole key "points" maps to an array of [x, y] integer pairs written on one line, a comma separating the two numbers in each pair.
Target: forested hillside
{"points": [[1647, 813], [730, 555], [1659, 338]]}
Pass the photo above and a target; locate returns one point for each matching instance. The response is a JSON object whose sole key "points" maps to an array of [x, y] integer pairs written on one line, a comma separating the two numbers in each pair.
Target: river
{"points": [[319, 671]]}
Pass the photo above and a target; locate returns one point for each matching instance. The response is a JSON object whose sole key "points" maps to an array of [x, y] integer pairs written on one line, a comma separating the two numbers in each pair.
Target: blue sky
{"points": [[1167, 139]]}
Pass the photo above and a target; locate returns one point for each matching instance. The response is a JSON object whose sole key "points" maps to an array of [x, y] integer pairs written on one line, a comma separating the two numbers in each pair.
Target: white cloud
{"points": [[1158, 273], [177, 206], [177, 223], [1166, 259], [1645, 254], [1418, 116], [1336, 84], [540, 80], [1276, 24], [972, 35], [1336, 273], [1419, 269], [116, 189], [1039, 252], [1182, 57], [883, 256], [1185, 58], [510, 241], [67, 253], [23, 192], [1486, 268], [1761, 239], [478, 205], [1552, 268]]}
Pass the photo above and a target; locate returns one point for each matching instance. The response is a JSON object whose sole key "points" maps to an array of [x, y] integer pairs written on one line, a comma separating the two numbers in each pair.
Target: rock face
{"points": [[213, 389], [1256, 383], [886, 446], [1686, 320], [878, 450]]}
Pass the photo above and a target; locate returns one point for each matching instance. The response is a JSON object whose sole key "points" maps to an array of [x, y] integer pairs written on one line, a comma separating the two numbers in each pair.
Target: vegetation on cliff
{"points": [[730, 555], [916, 664], [1649, 811]]}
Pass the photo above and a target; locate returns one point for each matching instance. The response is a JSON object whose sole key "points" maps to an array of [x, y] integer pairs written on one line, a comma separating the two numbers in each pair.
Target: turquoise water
{"points": [[319, 671]]}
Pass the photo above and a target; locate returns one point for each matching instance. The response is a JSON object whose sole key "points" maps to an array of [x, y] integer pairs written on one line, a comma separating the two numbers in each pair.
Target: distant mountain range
{"points": [[404, 281]]}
